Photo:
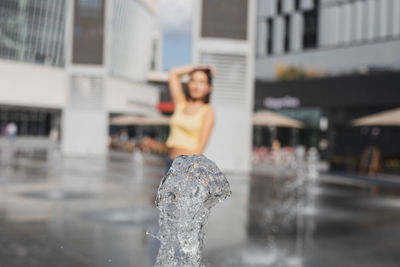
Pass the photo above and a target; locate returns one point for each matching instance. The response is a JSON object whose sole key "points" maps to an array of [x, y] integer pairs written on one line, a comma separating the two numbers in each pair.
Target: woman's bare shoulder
{"points": [[209, 110]]}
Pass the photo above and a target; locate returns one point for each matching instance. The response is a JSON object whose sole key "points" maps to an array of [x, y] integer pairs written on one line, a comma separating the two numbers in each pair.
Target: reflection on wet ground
{"points": [[58, 211]]}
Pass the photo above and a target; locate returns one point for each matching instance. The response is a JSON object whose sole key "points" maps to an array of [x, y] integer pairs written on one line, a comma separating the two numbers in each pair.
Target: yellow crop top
{"points": [[185, 129]]}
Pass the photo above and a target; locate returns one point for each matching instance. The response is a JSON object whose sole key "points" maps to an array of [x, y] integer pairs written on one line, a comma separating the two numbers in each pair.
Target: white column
{"points": [[347, 23], [396, 17], [85, 118], [288, 6], [359, 21], [230, 144], [278, 36], [383, 18], [365, 20], [306, 4], [371, 19], [333, 24], [297, 32], [390, 17], [261, 37], [272, 5], [263, 8], [343, 20]]}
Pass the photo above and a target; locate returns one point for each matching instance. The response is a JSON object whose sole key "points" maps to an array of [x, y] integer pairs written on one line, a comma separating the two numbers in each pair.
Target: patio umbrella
{"points": [[269, 118], [125, 120], [385, 118]]}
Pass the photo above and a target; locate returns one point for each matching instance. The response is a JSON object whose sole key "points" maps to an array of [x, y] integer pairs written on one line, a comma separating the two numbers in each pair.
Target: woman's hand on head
{"points": [[182, 70], [207, 67]]}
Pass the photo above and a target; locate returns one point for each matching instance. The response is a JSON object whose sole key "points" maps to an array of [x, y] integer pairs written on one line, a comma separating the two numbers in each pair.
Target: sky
{"points": [[175, 23]]}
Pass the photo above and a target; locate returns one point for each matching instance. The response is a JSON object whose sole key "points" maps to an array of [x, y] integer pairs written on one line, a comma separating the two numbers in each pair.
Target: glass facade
{"points": [[29, 121], [33, 31]]}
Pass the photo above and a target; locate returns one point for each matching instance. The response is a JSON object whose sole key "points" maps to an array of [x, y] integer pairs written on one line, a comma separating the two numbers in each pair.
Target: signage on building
{"points": [[281, 102]]}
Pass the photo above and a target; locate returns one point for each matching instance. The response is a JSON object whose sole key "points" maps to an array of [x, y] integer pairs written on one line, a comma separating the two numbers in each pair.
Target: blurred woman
{"points": [[193, 118]]}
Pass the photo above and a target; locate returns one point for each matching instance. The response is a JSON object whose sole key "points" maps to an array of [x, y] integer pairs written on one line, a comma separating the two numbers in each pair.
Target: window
{"points": [[286, 37], [310, 29], [296, 4], [88, 35], [279, 7], [224, 19], [316, 4], [9, 5], [270, 35]]}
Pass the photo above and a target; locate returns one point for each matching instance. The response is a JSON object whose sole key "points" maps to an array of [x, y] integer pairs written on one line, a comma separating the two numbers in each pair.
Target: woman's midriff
{"points": [[176, 151]]}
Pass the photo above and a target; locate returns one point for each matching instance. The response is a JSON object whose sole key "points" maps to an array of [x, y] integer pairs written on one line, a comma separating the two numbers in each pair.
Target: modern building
{"points": [[327, 62], [329, 36], [33, 31], [33, 69]]}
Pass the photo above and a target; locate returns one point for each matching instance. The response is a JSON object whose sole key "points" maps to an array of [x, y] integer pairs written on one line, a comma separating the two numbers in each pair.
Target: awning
{"points": [[126, 120], [261, 118], [269, 118], [385, 118]]}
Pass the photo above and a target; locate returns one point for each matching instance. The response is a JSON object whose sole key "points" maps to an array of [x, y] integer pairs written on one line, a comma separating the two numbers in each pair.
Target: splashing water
{"points": [[286, 212], [192, 186]]}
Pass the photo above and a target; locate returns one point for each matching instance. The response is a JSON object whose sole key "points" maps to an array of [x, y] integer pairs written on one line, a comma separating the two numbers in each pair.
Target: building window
{"points": [[270, 35], [296, 4], [316, 4], [279, 7], [286, 40], [310, 29], [219, 21]]}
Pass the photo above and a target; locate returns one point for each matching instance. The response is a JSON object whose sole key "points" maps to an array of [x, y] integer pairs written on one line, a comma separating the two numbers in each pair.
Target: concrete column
{"points": [[271, 7], [288, 6], [358, 6], [278, 35], [371, 19], [396, 17], [230, 145], [306, 4], [85, 118], [261, 37], [297, 32], [383, 18]]}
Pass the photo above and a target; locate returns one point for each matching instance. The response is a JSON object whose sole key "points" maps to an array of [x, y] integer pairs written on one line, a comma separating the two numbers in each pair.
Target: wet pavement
{"points": [[57, 211]]}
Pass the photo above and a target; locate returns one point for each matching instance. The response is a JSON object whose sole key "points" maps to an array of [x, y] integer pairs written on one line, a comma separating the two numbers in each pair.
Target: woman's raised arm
{"points": [[175, 83]]}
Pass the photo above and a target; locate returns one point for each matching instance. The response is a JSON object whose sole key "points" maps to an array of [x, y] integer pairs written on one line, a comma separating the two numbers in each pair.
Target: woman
{"points": [[193, 117]]}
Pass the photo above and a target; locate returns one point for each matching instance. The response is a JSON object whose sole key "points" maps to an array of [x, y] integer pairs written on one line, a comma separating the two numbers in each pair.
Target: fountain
{"points": [[192, 186], [280, 215]]}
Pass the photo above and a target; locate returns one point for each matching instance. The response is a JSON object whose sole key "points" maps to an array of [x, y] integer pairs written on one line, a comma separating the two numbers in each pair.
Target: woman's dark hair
{"points": [[208, 73]]}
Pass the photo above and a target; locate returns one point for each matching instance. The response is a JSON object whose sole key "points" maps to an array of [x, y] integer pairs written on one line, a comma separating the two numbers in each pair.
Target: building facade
{"points": [[328, 36], [32, 46], [326, 63], [33, 31]]}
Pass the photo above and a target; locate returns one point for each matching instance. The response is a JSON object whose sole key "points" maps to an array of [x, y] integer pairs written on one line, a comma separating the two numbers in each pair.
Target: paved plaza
{"points": [[57, 211]]}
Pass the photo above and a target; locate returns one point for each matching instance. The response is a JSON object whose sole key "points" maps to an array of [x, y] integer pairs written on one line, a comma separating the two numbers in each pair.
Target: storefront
{"points": [[30, 121], [328, 105]]}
